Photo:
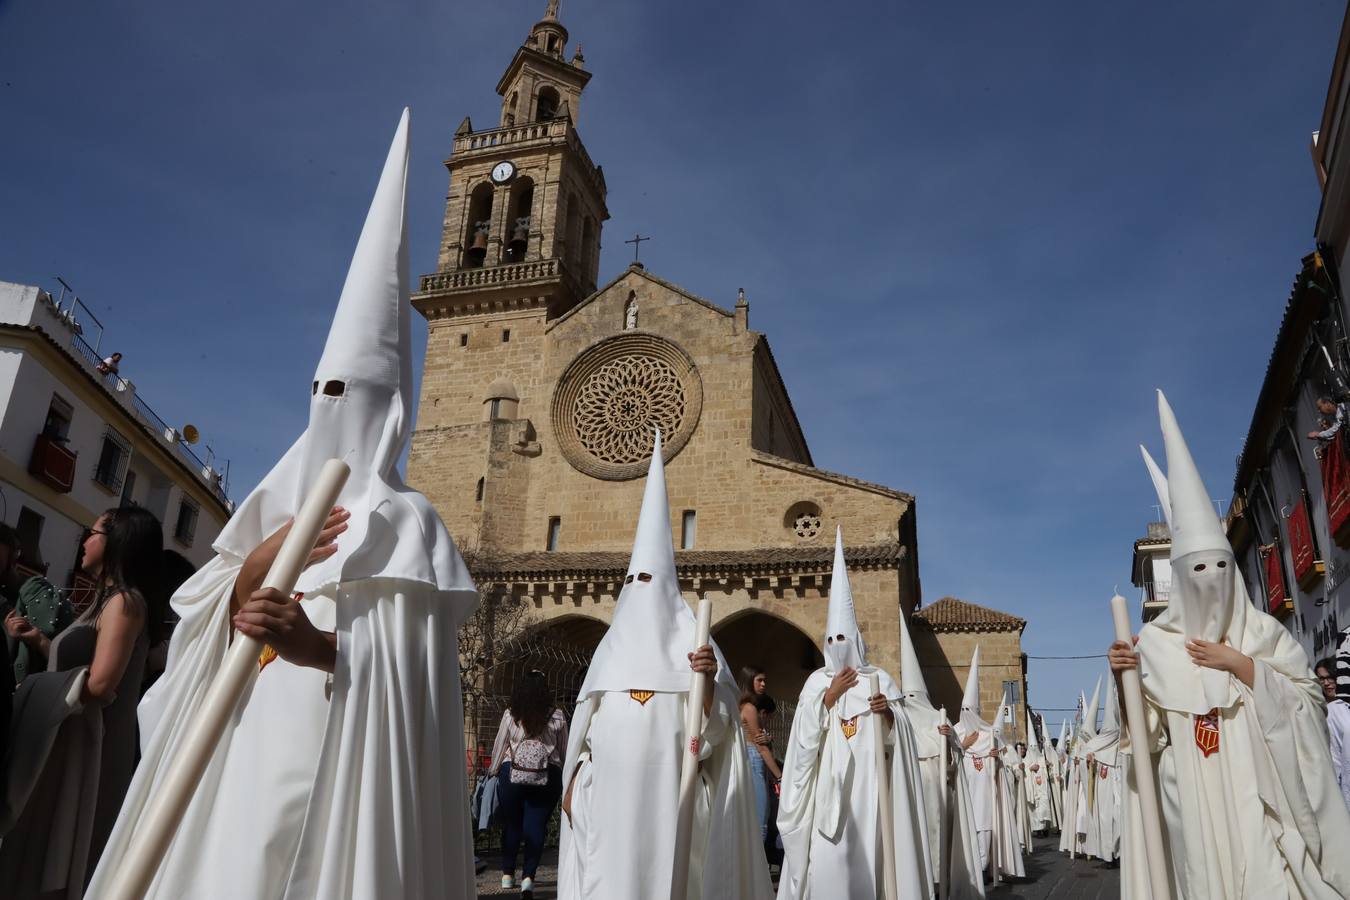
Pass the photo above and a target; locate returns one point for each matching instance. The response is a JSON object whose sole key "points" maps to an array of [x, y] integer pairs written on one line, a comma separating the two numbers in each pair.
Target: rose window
{"points": [[613, 397], [807, 525], [623, 403]]}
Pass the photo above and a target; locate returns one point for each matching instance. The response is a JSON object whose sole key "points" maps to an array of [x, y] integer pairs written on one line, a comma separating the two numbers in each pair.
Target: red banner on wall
{"points": [[1275, 592], [1336, 486], [1301, 542]]}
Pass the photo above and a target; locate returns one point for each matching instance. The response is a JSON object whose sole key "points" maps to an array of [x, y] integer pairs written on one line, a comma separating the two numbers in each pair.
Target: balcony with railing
{"points": [[53, 464], [77, 322], [1153, 597], [517, 138]]}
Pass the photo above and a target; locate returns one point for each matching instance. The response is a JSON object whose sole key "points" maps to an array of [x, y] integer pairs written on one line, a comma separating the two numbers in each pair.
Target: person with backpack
{"points": [[527, 760]]}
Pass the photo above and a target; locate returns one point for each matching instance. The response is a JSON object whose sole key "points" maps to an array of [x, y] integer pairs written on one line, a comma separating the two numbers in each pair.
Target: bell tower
{"points": [[526, 204]]}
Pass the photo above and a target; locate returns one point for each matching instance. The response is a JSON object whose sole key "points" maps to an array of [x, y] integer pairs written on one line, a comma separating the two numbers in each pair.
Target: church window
{"points": [[511, 110], [478, 491], [547, 106], [464, 340], [803, 519], [688, 529], [554, 529], [477, 226], [506, 335], [495, 408]]}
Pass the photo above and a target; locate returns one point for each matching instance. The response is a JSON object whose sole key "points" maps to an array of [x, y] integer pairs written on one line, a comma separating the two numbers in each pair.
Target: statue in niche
{"points": [[630, 314]]}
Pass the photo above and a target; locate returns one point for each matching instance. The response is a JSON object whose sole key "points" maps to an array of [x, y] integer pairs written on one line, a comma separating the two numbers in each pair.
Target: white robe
{"points": [[1262, 817], [624, 758], [1038, 785], [828, 811], [315, 792], [991, 804], [953, 843]]}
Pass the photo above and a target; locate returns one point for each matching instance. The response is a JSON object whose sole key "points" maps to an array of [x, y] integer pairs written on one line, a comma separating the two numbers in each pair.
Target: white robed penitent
{"points": [[953, 842], [1000, 849], [1101, 837], [1038, 779], [627, 740], [350, 785], [828, 813], [1250, 803]]}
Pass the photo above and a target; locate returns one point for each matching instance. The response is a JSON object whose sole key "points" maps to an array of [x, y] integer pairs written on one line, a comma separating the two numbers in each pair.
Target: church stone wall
{"points": [[946, 662]]}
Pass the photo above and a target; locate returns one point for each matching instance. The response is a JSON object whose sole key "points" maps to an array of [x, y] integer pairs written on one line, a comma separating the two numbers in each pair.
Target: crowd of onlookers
{"points": [[70, 681]]}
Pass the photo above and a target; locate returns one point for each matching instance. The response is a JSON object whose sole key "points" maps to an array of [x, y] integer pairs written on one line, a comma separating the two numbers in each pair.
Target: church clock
{"points": [[503, 172]]}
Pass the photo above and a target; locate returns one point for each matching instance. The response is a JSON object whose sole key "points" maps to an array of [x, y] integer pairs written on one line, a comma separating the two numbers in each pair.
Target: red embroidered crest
{"points": [[1103, 772], [850, 726], [979, 764], [1038, 780], [693, 746], [1207, 732]]}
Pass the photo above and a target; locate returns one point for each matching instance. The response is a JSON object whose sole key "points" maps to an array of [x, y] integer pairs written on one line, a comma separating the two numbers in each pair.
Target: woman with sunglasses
{"points": [[527, 759], [60, 833]]}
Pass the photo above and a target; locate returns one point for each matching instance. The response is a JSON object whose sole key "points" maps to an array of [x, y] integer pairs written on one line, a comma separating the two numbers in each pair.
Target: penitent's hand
{"points": [[877, 704], [278, 621], [945, 730], [259, 562], [1121, 656], [844, 679], [1224, 658]]}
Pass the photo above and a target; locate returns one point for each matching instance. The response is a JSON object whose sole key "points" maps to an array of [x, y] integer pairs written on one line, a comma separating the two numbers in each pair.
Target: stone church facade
{"points": [[541, 393]]}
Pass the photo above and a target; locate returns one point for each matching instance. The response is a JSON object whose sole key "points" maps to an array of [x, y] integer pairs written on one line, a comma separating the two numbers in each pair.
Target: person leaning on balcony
{"points": [[110, 365], [1338, 723], [1333, 417]]}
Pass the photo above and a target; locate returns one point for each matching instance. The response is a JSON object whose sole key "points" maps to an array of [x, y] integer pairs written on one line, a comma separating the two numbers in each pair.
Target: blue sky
{"points": [[978, 235]]}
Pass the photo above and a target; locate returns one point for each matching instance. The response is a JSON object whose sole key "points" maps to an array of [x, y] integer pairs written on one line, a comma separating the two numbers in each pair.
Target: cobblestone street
{"points": [[1050, 876]]}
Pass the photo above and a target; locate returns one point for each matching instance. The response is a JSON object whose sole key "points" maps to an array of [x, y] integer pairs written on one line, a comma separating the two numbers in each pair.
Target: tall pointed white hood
{"points": [[1089, 726], [647, 645], [843, 640], [1033, 738], [1159, 486], [360, 411], [970, 700], [1204, 594], [911, 672]]}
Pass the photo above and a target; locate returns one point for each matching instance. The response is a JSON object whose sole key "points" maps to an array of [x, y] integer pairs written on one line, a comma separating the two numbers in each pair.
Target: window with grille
{"points": [[112, 461], [186, 525], [554, 530]]}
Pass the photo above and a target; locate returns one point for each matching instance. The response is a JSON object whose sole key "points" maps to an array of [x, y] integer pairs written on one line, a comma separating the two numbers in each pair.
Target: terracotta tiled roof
{"points": [[950, 614], [614, 563]]}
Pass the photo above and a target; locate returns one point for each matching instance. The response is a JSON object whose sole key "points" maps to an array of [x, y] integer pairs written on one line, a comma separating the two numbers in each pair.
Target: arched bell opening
{"points": [[478, 226], [518, 220], [546, 104]]}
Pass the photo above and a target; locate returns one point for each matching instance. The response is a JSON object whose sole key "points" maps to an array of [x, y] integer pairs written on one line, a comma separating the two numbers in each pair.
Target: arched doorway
{"points": [[561, 648], [785, 653]]}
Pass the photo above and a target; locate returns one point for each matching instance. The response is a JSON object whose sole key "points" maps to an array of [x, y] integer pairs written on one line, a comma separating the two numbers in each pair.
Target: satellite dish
{"points": [[191, 434]]}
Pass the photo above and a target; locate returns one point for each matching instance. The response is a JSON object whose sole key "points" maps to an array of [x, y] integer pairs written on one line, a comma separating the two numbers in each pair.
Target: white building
{"points": [[75, 441], [1151, 569]]}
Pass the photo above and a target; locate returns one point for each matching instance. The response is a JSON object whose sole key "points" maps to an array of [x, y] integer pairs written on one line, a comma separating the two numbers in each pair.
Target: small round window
{"points": [[803, 520]]}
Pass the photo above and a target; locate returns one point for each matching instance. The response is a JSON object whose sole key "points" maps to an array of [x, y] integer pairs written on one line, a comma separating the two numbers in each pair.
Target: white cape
{"points": [[1261, 817], [828, 812], [623, 754], [360, 794]]}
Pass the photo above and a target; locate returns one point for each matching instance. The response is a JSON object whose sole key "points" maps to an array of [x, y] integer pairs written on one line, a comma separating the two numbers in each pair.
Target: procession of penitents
{"points": [[328, 764]]}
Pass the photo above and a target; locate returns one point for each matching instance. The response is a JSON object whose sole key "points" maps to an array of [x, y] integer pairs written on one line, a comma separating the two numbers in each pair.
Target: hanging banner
{"points": [[1301, 543]]}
